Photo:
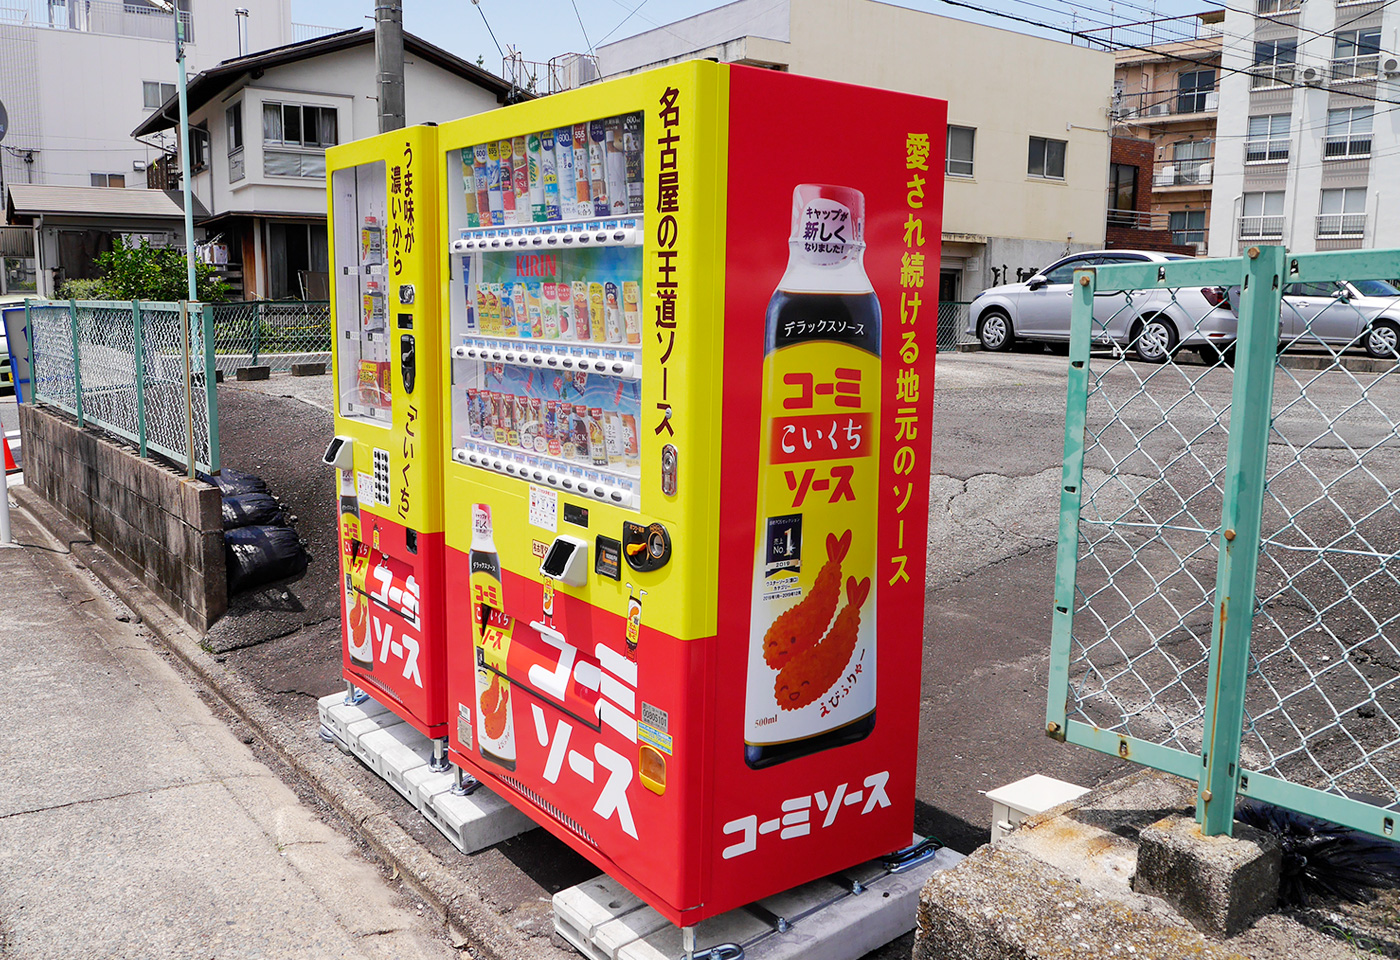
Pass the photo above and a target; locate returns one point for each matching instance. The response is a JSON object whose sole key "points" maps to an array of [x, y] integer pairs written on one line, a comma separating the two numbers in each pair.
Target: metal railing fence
{"points": [[952, 322], [140, 371], [1227, 594], [274, 333]]}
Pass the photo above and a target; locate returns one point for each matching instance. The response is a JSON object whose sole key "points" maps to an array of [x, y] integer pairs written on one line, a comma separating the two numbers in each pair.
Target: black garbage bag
{"points": [[233, 482], [260, 554], [1323, 861], [254, 509]]}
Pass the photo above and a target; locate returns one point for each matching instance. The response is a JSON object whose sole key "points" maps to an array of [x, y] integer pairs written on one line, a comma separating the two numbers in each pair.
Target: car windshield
{"points": [[1375, 288]]}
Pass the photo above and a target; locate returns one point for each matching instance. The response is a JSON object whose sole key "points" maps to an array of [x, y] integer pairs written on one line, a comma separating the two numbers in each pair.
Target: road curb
{"points": [[469, 921]]}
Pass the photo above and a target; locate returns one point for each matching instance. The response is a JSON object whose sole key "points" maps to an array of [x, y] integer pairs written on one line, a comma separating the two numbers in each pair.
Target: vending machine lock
{"points": [[669, 464], [407, 362], [645, 547], [566, 561]]}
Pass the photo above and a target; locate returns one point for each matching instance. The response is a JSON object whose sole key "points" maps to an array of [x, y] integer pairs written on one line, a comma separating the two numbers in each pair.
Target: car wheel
{"points": [[1154, 340], [994, 331], [1383, 340], [1211, 355]]}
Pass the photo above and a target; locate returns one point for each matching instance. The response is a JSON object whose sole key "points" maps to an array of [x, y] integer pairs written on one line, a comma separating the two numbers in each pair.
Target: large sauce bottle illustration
{"points": [[811, 655], [495, 725], [354, 562]]}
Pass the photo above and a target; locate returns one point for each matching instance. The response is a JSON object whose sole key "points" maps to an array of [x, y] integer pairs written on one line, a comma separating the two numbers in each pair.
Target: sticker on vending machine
{"points": [[544, 508], [364, 489]]}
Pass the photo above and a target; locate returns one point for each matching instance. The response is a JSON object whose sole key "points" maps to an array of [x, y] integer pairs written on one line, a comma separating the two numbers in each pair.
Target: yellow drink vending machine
{"points": [[382, 222]]}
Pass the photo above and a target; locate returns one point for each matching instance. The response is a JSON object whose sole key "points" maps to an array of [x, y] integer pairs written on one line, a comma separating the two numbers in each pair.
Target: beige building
{"points": [[1026, 161], [1167, 92]]}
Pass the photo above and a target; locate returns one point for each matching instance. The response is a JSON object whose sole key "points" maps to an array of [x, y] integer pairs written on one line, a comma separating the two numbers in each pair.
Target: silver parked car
{"points": [[1360, 313], [1154, 324]]}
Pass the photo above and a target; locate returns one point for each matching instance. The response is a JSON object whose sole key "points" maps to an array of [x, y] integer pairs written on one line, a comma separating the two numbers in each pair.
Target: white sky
{"points": [[541, 29]]}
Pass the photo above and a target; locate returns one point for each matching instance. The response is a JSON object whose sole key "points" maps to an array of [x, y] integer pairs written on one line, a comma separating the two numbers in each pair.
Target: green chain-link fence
{"points": [[272, 333], [139, 370], [1227, 597]]}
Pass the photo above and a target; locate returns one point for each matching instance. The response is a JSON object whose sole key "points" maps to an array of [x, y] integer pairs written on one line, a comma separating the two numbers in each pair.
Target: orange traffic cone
{"points": [[10, 465]]}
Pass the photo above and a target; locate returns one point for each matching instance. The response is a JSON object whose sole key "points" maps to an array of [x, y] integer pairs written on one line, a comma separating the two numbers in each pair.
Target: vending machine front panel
{"points": [[382, 219]]}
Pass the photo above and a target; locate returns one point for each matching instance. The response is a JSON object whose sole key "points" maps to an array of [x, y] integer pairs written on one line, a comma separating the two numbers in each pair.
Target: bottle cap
{"points": [[828, 221]]}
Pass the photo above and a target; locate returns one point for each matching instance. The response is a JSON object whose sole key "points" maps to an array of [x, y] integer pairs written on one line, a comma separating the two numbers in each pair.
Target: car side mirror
{"points": [[1037, 281], [1341, 295]]}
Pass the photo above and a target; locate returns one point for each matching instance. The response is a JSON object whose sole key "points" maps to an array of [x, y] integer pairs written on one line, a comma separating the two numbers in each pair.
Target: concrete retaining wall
{"points": [[164, 528]]}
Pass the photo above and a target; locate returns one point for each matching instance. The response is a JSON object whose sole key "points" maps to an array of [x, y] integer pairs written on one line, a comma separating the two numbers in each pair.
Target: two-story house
{"points": [[260, 126]]}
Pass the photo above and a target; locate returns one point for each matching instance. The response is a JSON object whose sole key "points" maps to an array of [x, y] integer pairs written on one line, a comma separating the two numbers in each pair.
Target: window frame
{"points": [[1274, 62], [233, 133], [107, 179], [1196, 93], [1351, 136], [1116, 185], [1348, 223], [160, 89], [1271, 137], [971, 159], [308, 157], [1045, 143], [1186, 233]]}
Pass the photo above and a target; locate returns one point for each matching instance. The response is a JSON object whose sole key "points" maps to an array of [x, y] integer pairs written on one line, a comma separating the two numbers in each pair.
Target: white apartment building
{"points": [[1308, 133], [77, 75], [1028, 140]]}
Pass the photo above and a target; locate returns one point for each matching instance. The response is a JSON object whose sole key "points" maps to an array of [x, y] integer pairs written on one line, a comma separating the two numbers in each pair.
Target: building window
{"points": [[1190, 163], [1267, 140], [1356, 53], [1348, 133], [199, 149], [960, 142], [108, 179], [1266, 7], [1273, 62], [1187, 226], [302, 133], [1122, 194], [233, 119], [1261, 215], [154, 94], [1193, 90], [1342, 213], [1047, 158]]}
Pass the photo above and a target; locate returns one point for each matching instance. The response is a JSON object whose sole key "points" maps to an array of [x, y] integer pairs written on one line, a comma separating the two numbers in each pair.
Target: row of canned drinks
{"points": [[566, 431], [591, 169], [580, 311]]}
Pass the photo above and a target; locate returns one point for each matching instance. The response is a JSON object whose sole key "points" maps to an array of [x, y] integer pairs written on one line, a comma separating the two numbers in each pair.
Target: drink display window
{"points": [[365, 372], [546, 312]]}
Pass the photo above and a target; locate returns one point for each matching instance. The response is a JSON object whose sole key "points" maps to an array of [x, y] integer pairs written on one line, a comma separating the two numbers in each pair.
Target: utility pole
{"points": [[388, 62], [184, 142]]}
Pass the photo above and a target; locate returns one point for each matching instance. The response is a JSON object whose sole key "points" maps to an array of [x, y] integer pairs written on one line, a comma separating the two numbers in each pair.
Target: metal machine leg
{"points": [[463, 784], [439, 762], [354, 696]]}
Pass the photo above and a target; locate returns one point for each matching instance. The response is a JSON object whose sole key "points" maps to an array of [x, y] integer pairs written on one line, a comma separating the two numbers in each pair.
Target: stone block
{"points": [[254, 373], [1218, 883], [308, 369]]}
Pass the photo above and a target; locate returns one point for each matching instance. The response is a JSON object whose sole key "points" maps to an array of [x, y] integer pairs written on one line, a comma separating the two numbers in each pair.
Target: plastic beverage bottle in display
{"points": [[520, 169], [492, 153], [583, 192], [495, 729], [522, 310], [506, 152], [482, 177], [564, 170], [483, 307], [493, 306], [632, 310], [811, 659], [534, 160], [469, 187], [595, 310], [354, 563], [508, 308], [631, 452], [632, 145], [598, 168], [612, 317], [612, 436], [583, 331], [549, 309], [473, 415], [534, 310], [579, 426], [597, 442], [549, 175], [564, 304], [616, 165]]}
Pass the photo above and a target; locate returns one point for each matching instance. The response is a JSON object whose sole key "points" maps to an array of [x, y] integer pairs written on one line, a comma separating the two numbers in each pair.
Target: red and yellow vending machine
{"points": [[689, 366], [382, 227]]}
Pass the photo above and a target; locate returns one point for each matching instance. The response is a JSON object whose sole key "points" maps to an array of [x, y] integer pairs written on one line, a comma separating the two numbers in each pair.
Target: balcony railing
{"points": [[310, 31], [1204, 31], [1155, 105], [1341, 224], [1272, 75], [111, 17], [1196, 172], [1137, 219], [1261, 227], [1274, 8], [1355, 68], [1350, 147]]}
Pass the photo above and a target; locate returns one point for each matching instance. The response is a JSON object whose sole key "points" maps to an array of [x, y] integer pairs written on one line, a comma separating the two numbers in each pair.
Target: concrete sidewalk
{"points": [[136, 823]]}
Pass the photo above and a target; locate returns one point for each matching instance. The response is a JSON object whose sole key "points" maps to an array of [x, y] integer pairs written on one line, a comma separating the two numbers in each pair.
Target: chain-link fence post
{"points": [[211, 394], [140, 365], [257, 332], [1251, 410], [77, 362], [33, 354], [189, 387]]}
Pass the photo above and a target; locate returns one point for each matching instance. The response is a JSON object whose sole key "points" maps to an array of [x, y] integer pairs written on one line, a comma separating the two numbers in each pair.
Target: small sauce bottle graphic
{"points": [[811, 674]]}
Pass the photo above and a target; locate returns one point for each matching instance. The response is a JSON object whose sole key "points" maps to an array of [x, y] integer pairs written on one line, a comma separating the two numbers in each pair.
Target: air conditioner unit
{"points": [[1213, 101], [1165, 176], [1203, 173], [1200, 247], [1158, 109], [1391, 66], [1312, 76]]}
